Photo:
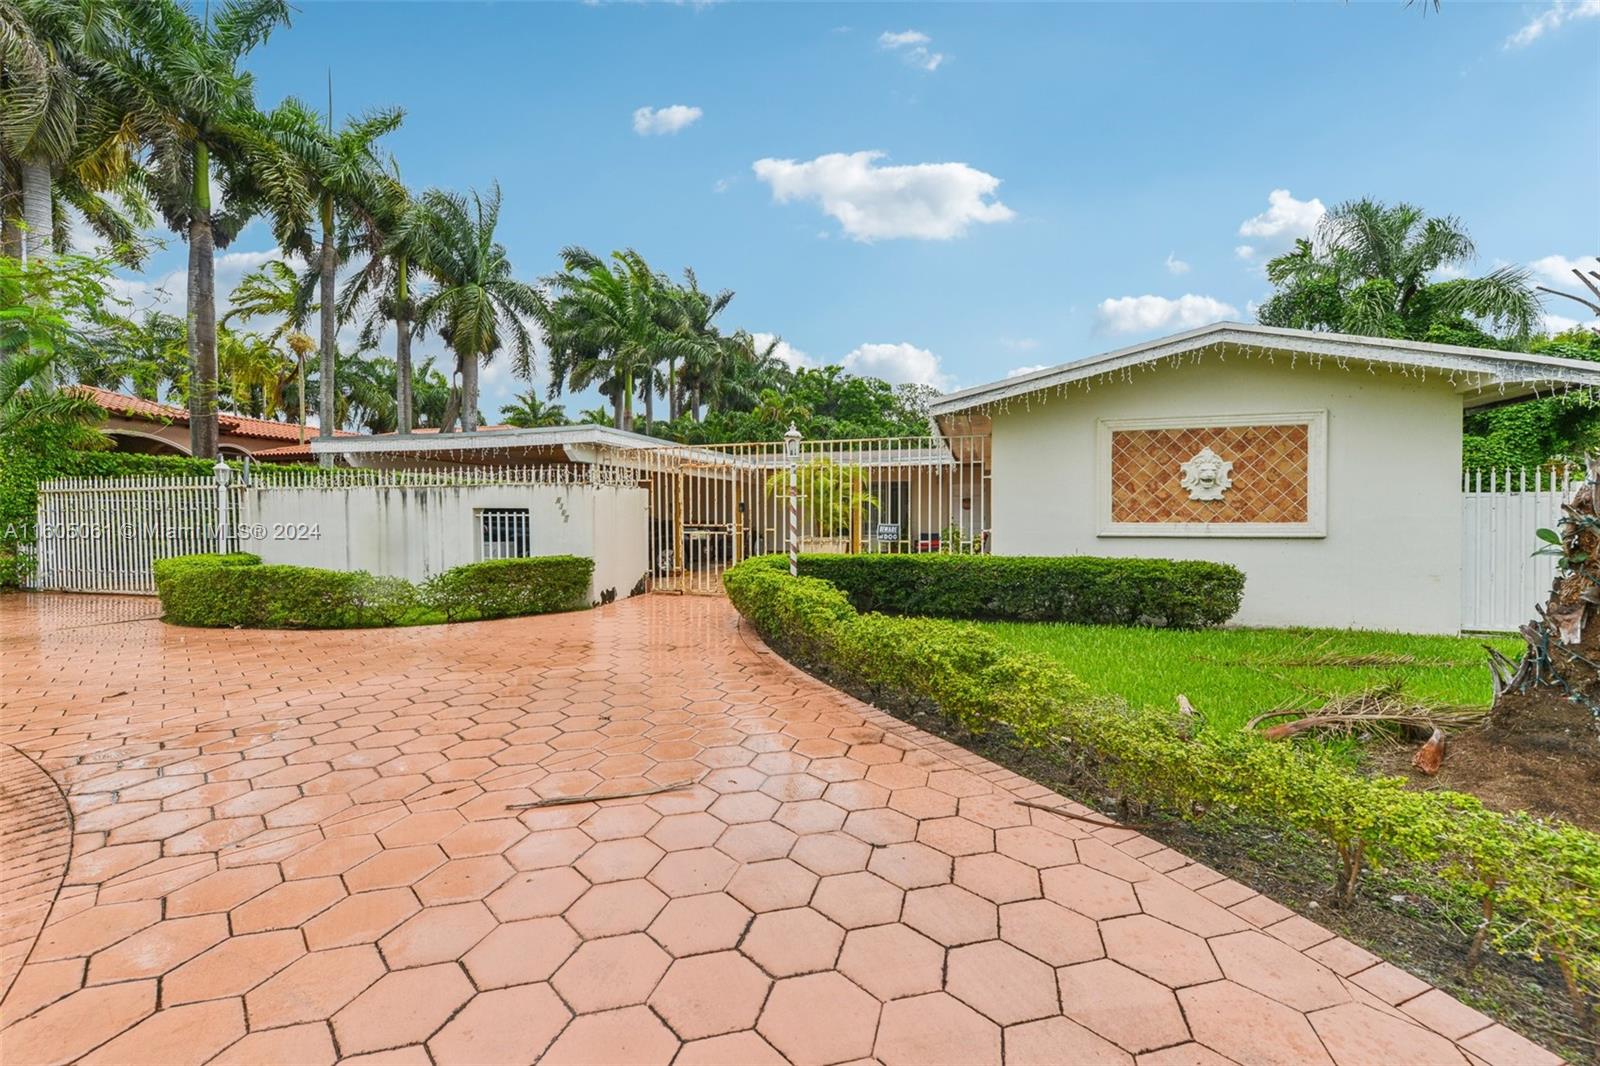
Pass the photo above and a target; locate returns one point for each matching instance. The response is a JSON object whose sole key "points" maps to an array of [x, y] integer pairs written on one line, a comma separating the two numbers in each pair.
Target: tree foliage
{"points": [[1383, 270]]}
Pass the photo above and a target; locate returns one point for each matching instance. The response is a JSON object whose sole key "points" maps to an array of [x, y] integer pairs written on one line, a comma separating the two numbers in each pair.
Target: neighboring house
{"points": [[151, 428], [1326, 467]]}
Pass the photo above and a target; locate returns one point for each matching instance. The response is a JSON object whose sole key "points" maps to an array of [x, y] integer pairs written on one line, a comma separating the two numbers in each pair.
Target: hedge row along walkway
{"points": [[297, 847]]}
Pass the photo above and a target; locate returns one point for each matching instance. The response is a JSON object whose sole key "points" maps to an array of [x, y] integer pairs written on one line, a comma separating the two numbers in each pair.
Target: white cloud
{"points": [[928, 201], [1551, 19], [788, 353], [1021, 370], [1556, 270], [1143, 314], [1020, 344], [1553, 324], [898, 364], [903, 39], [1176, 265], [1284, 219], [651, 121], [169, 292], [1244, 251], [912, 45]]}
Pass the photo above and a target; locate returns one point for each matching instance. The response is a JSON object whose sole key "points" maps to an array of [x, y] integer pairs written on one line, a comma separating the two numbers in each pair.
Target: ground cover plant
{"points": [[1234, 674], [1535, 885], [238, 590]]}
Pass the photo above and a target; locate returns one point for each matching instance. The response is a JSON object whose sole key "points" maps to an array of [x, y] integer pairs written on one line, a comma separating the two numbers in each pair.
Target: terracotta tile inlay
{"points": [[1270, 474]]}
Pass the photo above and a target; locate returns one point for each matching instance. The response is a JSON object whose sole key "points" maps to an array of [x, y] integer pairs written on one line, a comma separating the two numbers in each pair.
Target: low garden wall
{"points": [[1536, 884], [240, 591]]}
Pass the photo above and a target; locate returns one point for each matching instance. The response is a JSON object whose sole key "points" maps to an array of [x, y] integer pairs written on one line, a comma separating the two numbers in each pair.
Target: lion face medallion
{"points": [[1207, 476]]}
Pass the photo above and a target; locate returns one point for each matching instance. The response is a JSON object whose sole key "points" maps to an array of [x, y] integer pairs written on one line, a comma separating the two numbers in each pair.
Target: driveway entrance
{"points": [[301, 847]]}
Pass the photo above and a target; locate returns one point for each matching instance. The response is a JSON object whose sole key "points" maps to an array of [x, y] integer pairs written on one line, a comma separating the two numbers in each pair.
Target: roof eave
{"points": [[543, 436], [1531, 373]]}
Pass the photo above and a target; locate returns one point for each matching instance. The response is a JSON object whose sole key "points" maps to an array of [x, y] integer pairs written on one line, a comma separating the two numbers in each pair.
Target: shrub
{"points": [[501, 588], [1084, 589], [239, 590], [1538, 884]]}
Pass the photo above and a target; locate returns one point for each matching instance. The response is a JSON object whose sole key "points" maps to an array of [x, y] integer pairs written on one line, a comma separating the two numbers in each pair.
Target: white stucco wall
{"points": [[415, 533], [1391, 558]]}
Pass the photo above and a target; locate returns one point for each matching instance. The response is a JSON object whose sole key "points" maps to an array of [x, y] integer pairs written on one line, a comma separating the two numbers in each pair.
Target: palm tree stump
{"points": [[1550, 699]]}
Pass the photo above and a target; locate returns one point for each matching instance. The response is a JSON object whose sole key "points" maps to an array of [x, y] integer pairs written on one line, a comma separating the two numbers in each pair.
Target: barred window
{"points": [[502, 532]]}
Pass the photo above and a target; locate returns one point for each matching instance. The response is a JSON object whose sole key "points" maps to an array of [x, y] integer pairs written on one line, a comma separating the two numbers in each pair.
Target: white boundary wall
{"points": [[415, 532]]}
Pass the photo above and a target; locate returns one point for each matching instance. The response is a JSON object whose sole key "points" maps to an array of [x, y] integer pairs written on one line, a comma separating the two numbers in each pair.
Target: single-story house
{"points": [[1327, 467]]}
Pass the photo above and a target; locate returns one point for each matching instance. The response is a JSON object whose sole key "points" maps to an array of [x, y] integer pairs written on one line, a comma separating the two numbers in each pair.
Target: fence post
{"points": [[223, 474], [791, 458]]}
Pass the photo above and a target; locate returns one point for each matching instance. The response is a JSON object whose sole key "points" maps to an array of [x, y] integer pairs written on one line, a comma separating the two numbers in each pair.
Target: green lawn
{"points": [[1231, 675]]}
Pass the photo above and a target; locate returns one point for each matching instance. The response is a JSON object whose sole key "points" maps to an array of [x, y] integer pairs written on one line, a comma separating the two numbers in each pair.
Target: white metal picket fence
{"points": [[104, 534], [711, 506], [1501, 576]]}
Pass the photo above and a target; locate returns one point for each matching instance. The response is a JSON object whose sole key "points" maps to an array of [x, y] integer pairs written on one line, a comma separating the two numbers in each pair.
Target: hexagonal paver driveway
{"points": [[305, 847]]}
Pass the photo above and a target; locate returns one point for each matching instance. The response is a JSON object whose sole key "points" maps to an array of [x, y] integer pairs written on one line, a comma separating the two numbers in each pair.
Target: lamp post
{"points": [[224, 475], [791, 455]]}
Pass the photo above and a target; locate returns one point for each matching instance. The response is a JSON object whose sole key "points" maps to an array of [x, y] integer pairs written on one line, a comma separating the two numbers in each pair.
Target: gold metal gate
{"points": [[714, 505]]}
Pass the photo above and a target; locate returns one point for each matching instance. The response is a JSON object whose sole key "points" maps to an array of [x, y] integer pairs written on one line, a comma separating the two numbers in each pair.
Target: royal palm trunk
{"points": [[202, 315], [469, 394], [36, 211], [402, 352], [327, 397]]}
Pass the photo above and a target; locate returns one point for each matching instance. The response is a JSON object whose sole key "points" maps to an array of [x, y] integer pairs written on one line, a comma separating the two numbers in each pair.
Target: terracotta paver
{"points": [[290, 865]]}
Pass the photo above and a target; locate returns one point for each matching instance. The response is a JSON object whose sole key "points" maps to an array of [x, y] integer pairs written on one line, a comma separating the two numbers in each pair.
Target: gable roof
{"points": [[1483, 376]]}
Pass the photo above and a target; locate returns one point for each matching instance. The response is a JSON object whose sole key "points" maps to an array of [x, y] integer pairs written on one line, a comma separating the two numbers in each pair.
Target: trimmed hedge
{"points": [[1537, 883], [1084, 589], [240, 591], [502, 588]]}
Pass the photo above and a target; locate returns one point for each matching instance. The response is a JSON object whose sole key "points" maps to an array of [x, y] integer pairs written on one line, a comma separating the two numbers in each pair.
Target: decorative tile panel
{"points": [[1269, 477]]}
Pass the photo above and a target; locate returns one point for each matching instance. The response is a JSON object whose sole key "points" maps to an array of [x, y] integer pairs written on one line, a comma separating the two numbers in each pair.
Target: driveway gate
{"points": [[103, 534], [713, 505]]}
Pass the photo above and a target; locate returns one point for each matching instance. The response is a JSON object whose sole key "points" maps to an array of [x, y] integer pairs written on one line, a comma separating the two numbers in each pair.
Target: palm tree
{"points": [[384, 288], [344, 176], [430, 394], [695, 311], [64, 135], [612, 325], [528, 411], [740, 371], [257, 372], [194, 108], [476, 302], [273, 291], [1370, 270]]}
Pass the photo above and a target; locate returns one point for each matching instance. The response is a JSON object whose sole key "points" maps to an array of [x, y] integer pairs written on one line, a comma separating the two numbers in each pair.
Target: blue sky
{"points": [[1052, 180]]}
